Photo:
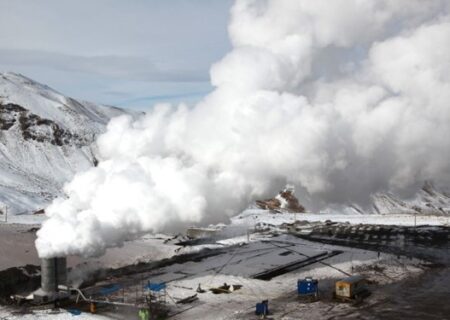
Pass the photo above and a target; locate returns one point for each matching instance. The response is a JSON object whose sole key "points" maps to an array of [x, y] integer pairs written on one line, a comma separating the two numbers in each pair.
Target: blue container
{"points": [[155, 286], [104, 291], [75, 312], [262, 308], [307, 286]]}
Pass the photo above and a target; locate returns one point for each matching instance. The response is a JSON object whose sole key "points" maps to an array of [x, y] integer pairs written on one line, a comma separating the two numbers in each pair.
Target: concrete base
{"points": [[41, 297], [196, 233]]}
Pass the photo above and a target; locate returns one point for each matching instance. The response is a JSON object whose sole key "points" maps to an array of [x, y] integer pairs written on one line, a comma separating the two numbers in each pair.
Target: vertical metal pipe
{"points": [[61, 271], [48, 275], [53, 273]]}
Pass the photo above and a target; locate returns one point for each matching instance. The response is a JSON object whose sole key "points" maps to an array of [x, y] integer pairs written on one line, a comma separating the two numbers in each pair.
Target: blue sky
{"points": [[125, 53]]}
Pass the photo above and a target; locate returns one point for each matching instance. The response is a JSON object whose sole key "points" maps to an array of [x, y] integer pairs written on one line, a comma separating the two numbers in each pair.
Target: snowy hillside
{"points": [[45, 138], [429, 200]]}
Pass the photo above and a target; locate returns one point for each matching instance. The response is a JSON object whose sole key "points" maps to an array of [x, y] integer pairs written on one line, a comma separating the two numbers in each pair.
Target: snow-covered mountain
{"points": [[45, 138], [429, 200]]}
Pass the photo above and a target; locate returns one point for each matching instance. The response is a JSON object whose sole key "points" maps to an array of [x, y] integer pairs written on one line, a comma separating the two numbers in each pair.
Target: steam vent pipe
{"points": [[53, 273]]}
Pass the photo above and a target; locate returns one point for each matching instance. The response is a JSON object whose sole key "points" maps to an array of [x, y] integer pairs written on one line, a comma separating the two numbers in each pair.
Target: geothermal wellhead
{"points": [[53, 273]]}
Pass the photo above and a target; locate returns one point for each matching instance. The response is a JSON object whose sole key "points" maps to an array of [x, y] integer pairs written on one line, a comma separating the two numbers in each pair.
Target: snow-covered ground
{"points": [[252, 217], [239, 259], [57, 314], [242, 255], [237, 265]]}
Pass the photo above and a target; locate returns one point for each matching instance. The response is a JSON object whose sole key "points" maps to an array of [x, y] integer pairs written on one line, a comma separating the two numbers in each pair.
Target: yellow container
{"points": [[93, 307], [350, 287]]}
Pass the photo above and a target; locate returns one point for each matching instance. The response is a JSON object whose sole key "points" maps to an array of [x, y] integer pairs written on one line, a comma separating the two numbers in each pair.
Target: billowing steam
{"points": [[340, 98]]}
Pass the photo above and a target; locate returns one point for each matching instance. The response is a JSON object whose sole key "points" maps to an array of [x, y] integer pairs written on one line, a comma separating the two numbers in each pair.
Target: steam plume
{"points": [[340, 98]]}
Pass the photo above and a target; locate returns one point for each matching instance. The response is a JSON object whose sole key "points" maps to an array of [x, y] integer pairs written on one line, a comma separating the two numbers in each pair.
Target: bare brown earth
{"points": [[17, 245], [17, 249]]}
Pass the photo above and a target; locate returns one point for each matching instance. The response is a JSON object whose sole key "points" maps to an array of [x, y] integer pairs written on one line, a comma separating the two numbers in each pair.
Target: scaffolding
{"points": [[156, 298]]}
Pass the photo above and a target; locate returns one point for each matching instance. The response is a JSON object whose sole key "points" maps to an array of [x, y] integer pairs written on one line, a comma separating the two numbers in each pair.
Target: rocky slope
{"points": [[45, 138], [284, 201]]}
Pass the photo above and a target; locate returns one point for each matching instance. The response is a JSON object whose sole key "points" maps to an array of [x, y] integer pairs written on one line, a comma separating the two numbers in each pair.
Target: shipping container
{"points": [[354, 287]]}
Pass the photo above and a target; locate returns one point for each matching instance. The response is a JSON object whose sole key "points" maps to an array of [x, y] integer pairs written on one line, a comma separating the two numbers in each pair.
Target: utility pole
{"points": [[5, 213], [415, 220]]}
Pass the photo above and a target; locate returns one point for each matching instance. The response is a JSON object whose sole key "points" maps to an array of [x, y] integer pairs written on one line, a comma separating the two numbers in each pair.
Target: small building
{"points": [[354, 287]]}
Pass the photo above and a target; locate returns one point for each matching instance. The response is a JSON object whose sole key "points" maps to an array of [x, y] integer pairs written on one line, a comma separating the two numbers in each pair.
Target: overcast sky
{"points": [[124, 53]]}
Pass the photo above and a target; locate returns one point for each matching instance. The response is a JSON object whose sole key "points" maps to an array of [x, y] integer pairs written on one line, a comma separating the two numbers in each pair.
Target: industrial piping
{"points": [[53, 274]]}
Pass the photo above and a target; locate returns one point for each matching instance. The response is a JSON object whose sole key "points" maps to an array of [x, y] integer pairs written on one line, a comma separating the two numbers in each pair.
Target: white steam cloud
{"points": [[340, 98]]}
